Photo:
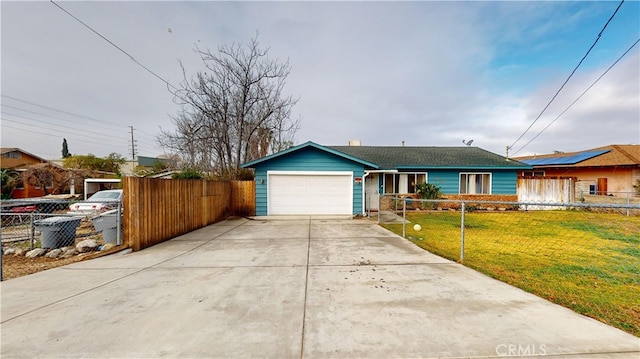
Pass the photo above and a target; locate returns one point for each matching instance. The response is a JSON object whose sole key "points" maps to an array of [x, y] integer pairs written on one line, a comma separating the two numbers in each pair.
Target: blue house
{"points": [[313, 179]]}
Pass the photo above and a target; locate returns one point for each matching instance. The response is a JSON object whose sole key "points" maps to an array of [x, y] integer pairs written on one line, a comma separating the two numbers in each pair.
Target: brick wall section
{"points": [[388, 204], [484, 197]]}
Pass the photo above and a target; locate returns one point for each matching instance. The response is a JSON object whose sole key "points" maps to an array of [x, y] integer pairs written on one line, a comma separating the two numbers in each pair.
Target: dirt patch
{"points": [[18, 266]]}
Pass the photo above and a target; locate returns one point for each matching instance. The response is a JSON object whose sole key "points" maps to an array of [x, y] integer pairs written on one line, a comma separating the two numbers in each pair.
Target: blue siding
{"points": [[306, 159], [447, 180], [503, 181]]}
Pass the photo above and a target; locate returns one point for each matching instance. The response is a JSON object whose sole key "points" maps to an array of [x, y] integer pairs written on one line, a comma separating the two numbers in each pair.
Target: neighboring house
{"points": [[15, 158], [314, 179], [165, 174], [32, 169], [140, 164], [609, 170], [19, 161]]}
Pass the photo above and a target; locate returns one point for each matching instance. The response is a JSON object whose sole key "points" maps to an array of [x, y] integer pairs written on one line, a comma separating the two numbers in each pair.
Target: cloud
{"points": [[608, 113], [428, 73]]}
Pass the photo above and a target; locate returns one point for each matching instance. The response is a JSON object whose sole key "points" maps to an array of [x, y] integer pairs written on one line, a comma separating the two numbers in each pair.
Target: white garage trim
{"points": [[303, 193]]}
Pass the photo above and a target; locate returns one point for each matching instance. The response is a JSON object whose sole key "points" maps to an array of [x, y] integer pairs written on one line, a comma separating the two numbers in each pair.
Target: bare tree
{"points": [[41, 175], [233, 112]]}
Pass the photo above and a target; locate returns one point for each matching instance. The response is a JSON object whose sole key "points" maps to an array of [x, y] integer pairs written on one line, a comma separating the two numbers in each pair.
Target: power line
{"points": [[56, 132], [83, 139], [96, 139], [48, 123], [114, 45], [112, 127], [579, 97], [568, 78], [49, 116], [147, 134], [53, 109], [41, 133]]}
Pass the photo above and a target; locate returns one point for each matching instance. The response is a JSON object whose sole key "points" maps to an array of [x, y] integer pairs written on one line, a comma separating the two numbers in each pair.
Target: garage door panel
{"points": [[310, 194]]}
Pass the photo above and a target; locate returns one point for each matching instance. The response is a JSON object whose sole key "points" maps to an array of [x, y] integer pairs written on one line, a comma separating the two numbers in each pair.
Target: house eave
{"points": [[289, 150], [421, 167]]}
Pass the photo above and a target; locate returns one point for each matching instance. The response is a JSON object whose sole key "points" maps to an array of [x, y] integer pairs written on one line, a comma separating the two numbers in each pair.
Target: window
{"points": [[532, 173], [414, 179], [403, 182], [390, 183], [49, 185], [11, 154], [19, 184], [475, 183]]}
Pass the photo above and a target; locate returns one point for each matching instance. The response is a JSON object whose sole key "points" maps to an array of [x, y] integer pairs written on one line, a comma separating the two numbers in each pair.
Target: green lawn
{"points": [[589, 262]]}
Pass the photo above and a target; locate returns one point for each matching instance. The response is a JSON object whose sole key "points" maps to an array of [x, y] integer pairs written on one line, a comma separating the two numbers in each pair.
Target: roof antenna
{"points": [[468, 143]]}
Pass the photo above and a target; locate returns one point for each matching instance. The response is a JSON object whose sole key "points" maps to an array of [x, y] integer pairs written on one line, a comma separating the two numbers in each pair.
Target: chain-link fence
{"points": [[59, 229], [585, 256], [628, 198]]}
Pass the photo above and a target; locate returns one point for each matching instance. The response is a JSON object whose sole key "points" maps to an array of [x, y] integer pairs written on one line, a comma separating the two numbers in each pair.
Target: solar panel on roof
{"points": [[564, 160]]}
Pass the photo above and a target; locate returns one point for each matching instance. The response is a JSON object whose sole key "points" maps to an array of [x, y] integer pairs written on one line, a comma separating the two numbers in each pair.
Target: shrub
{"points": [[428, 191], [188, 174]]}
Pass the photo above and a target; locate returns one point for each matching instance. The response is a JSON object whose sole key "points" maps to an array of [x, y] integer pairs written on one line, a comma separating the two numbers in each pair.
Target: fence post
{"points": [[119, 224], [379, 207], [404, 215], [628, 203], [32, 234], [1, 255], [395, 205], [462, 233]]}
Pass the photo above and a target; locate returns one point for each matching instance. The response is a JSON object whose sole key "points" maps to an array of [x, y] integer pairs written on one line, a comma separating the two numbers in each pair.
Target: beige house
{"points": [[610, 170]]}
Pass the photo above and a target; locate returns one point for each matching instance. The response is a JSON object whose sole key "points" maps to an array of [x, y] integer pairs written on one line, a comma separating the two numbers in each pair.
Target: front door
{"points": [[371, 190]]}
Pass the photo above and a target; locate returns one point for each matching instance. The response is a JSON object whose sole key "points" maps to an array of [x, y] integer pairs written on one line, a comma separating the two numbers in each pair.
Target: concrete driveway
{"points": [[288, 288]]}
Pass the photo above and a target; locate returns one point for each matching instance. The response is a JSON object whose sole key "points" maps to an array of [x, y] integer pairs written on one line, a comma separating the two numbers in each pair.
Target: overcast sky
{"points": [[426, 73]]}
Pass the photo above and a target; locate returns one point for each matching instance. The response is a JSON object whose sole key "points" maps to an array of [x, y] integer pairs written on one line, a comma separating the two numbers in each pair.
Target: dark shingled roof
{"points": [[396, 157]]}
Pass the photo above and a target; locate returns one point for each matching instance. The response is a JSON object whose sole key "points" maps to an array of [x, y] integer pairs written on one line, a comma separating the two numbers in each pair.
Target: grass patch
{"points": [[588, 262], [603, 231]]}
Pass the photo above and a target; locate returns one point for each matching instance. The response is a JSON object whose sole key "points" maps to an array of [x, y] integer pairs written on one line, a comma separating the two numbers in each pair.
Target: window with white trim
{"points": [[475, 183], [403, 182]]}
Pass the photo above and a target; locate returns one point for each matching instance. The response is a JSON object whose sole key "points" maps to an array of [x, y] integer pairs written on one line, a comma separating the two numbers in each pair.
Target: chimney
{"points": [[353, 143]]}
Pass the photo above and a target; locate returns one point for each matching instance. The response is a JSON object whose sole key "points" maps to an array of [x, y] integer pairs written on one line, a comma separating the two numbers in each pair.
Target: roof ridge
{"points": [[626, 154], [391, 146]]}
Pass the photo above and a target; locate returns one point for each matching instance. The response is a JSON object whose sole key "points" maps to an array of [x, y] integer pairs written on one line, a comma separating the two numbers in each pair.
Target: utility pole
{"points": [[133, 145]]}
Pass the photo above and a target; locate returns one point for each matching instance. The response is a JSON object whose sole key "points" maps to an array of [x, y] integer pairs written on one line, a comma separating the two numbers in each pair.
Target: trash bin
{"points": [[57, 231], [107, 223]]}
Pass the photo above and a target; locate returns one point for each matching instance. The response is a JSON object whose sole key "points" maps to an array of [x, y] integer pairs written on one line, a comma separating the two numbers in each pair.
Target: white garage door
{"points": [[310, 193]]}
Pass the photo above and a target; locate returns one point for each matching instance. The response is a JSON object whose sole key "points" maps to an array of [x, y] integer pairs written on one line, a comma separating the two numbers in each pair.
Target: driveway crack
{"points": [[306, 290]]}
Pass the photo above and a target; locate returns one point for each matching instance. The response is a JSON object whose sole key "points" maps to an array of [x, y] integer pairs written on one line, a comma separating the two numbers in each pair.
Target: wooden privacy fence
{"points": [[545, 190], [156, 210], [243, 198]]}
